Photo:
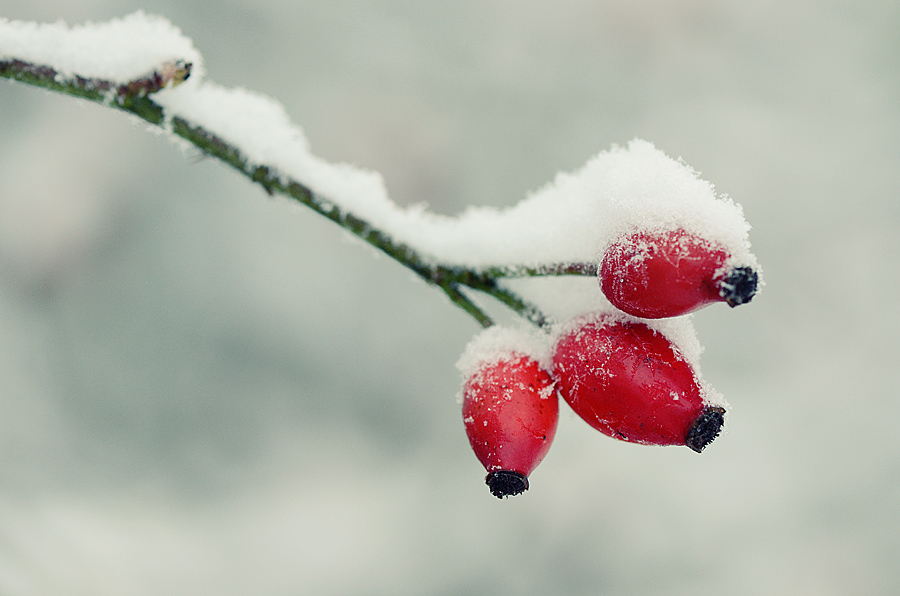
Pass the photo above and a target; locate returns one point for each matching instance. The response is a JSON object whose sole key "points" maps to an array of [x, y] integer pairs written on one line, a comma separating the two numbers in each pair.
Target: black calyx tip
{"points": [[706, 428], [739, 286], [506, 483]]}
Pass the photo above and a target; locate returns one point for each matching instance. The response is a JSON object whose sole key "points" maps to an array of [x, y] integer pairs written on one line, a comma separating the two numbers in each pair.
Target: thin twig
{"points": [[172, 73], [462, 301], [586, 269]]}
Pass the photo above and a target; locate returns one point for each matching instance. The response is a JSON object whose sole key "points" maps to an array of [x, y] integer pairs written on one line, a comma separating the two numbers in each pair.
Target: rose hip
{"points": [[665, 274], [629, 382], [510, 410]]}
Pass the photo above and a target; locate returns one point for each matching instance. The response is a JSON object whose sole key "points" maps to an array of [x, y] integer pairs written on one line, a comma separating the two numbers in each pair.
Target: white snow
{"points": [[119, 51], [578, 214], [678, 330], [570, 220], [500, 343]]}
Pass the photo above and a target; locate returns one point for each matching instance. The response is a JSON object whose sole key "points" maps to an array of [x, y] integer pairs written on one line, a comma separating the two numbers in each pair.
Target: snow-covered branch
{"points": [[144, 66], [99, 90], [42, 55]]}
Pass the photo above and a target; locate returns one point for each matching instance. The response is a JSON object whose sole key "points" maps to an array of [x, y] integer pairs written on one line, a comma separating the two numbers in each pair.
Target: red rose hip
{"points": [[510, 409], [629, 382], [669, 273]]}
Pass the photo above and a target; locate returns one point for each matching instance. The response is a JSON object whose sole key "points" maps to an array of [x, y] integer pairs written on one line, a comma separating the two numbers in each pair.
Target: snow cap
{"points": [[498, 343]]}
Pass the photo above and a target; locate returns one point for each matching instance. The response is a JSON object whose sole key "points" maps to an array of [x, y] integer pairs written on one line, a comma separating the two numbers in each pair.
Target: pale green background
{"points": [[207, 391]]}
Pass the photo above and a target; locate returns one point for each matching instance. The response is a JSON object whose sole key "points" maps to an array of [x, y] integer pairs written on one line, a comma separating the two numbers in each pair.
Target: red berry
{"points": [[666, 274], [629, 382], [510, 409]]}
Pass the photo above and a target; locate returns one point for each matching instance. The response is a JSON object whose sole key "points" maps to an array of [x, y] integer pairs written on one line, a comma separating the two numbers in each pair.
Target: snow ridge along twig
{"points": [[135, 97]]}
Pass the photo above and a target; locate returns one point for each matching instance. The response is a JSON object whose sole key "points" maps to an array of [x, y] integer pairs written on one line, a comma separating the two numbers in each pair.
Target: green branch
{"points": [[135, 97], [105, 92]]}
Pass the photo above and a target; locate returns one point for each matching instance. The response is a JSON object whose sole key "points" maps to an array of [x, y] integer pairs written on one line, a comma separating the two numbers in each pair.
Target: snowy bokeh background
{"points": [[205, 390]]}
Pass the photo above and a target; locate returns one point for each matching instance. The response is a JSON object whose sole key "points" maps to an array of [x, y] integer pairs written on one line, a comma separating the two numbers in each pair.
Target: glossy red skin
{"points": [[662, 274], [622, 379], [510, 409]]}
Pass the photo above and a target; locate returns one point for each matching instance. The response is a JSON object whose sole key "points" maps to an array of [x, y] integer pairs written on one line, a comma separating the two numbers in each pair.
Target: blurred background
{"points": [[204, 390]]}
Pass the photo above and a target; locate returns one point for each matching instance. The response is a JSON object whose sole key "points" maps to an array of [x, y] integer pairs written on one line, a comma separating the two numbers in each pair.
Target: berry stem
{"points": [[463, 302], [135, 97]]}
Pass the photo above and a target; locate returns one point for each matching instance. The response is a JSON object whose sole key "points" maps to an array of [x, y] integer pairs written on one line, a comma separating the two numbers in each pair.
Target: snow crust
{"points": [[120, 50], [570, 220], [501, 343], [678, 330]]}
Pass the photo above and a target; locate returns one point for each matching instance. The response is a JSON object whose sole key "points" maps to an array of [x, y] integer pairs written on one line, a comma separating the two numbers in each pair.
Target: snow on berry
{"points": [[498, 343], [575, 217]]}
